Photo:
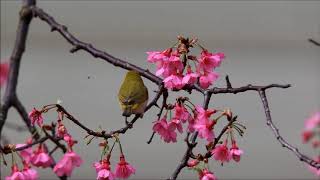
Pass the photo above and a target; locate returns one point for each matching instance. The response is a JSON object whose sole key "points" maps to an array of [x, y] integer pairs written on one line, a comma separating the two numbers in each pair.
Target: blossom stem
{"points": [[219, 117], [17, 154], [200, 46], [120, 146], [109, 154], [13, 160], [189, 107], [190, 103]]}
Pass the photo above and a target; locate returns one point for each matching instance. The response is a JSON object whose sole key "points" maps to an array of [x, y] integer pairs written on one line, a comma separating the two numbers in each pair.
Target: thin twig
{"points": [[276, 132]]}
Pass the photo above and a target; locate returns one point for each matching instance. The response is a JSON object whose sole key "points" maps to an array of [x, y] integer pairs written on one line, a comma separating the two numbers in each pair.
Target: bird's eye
{"points": [[130, 102]]}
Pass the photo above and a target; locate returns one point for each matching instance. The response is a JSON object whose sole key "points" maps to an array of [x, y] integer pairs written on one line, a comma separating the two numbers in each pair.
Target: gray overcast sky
{"points": [[264, 42]]}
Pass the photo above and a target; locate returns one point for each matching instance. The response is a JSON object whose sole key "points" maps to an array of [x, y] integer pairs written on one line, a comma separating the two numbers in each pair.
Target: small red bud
{"points": [[193, 163]]}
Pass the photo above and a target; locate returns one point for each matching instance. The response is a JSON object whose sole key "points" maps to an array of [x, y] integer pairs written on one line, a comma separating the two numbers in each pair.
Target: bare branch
{"points": [[276, 132]]}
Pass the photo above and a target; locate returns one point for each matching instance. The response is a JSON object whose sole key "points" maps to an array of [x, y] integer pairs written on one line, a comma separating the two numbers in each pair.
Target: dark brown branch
{"points": [[190, 145], [80, 45], [314, 42], [249, 87], [19, 47], [10, 95], [39, 141], [276, 132], [56, 141], [217, 139], [24, 115], [123, 130]]}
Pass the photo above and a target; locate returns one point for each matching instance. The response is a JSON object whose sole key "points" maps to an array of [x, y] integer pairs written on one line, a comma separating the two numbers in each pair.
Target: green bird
{"points": [[133, 95]]}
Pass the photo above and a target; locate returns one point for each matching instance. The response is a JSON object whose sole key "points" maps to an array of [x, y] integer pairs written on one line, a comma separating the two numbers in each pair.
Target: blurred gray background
{"points": [[264, 42]]}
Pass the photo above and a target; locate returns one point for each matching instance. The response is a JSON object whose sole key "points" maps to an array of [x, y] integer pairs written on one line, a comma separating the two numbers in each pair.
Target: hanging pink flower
{"points": [[235, 152], [207, 79], [173, 82], [124, 169], [66, 165], [209, 61], [191, 123], [26, 153], [221, 153], [203, 125], [205, 174], [156, 56], [40, 157], [70, 141], [29, 173], [4, 72], [173, 65], [165, 130], [190, 77], [36, 117], [181, 113], [307, 135], [103, 170], [314, 170], [16, 174], [313, 121], [178, 125], [61, 129], [193, 163]]}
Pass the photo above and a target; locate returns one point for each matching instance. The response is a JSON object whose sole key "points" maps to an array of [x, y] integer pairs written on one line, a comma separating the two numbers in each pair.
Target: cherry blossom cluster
{"points": [[39, 156], [175, 65], [311, 134], [123, 169], [200, 120]]}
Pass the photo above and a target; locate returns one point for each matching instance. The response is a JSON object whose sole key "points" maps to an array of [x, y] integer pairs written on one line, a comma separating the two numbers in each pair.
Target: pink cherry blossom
{"points": [[204, 128], [193, 163], [177, 123], [26, 153], [66, 165], [173, 82], [208, 60], [190, 77], [103, 170], [313, 121], [315, 170], [203, 125], [70, 141], [207, 79], [156, 56], [61, 129], [165, 130], [16, 174], [181, 113], [97, 166], [235, 152], [173, 65], [36, 117], [307, 135], [124, 169], [221, 152], [205, 174], [40, 157], [4, 72], [29, 173]]}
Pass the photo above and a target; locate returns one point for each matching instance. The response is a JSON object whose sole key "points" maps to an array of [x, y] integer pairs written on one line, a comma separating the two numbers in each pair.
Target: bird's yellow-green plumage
{"points": [[133, 94]]}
